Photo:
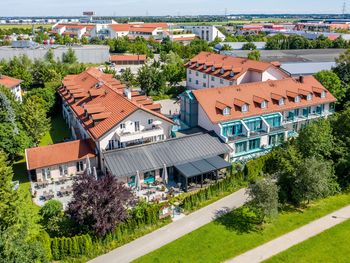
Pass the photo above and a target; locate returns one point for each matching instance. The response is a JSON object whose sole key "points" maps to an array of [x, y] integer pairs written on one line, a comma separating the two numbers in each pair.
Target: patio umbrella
{"points": [[88, 165], [165, 175], [137, 181]]}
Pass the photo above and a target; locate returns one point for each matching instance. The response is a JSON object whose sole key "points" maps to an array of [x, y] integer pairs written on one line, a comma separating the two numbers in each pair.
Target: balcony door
{"points": [[137, 126]]}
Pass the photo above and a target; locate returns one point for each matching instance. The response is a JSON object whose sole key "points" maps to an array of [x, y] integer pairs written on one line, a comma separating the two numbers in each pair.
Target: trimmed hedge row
{"points": [[194, 200], [64, 247]]}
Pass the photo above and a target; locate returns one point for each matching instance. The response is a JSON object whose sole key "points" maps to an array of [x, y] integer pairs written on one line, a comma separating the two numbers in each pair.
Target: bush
{"points": [[255, 168], [70, 246]]}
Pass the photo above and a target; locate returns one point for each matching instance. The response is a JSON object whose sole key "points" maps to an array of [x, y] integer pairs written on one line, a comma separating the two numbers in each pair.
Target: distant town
{"points": [[175, 138]]}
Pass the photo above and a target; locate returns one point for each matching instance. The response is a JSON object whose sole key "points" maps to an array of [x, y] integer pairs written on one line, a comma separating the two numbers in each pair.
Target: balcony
{"points": [[237, 137], [142, 134]]}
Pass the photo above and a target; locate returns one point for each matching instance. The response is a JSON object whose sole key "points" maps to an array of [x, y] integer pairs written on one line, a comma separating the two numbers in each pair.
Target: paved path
{"points": [[175, 230], [290, 239]]}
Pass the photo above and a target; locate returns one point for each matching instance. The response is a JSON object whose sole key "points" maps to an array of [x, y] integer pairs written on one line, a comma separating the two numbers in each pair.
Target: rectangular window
{"points": [[197, 82], [197, 74], [80, 166], [190, 72], [111, 145], [137, 126], [122, 126], [241, 147], [221, 81], [254, 144], [189, 80], [46, 173], [212, 78], [63, 169], [274, 121], [150, 121], [204, 76], [254, 124], [204, 85]]}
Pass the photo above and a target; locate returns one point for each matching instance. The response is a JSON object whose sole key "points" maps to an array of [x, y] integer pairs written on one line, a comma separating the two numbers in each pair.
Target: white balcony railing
{"points": [[145, 133]]}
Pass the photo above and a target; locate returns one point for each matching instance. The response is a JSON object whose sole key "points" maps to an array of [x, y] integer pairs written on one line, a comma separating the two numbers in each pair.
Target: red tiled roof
{"points": [[179, 39], [115, 58], [247, 93], [99, 89], [9, 82], [120, 27], [58, 153], [230, 64], [142, 29]]}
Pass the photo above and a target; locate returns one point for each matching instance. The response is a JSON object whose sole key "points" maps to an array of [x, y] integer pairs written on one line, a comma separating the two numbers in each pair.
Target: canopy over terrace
{"points": [[154, 156], [201, 167]]}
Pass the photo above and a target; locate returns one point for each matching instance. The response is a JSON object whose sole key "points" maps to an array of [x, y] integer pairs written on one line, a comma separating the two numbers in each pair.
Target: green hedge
{"points": [[192, 201], [255, 168], [63, 247]]}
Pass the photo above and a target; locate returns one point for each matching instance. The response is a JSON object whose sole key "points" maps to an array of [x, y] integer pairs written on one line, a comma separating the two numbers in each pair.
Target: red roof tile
{"points": [[44, 156], [99, 90], [247, 93]]}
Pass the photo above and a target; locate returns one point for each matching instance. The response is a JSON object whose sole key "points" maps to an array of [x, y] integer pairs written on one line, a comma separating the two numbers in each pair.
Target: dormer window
{"points": [[264, 104], [205, 67], [197, 65], [213, 68], [222, 71], [226, 111], [244, 108], [323, 94], [232, 74], [281, 101], [297, 99], [309, 96]]}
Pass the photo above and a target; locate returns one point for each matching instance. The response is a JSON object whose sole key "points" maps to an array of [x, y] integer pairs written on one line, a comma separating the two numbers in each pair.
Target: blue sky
{"points": [[165, 7]]}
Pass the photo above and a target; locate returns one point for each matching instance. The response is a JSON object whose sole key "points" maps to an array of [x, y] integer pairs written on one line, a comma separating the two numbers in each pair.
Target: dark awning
{"points": [[192, 169]]}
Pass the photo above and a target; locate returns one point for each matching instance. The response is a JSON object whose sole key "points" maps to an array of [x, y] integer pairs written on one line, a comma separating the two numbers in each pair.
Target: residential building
{"points": [[61, 160], [14, 85], [209, 70], [73, 29], [252, 118], [97, 106], [208, 33], [102, 115]]}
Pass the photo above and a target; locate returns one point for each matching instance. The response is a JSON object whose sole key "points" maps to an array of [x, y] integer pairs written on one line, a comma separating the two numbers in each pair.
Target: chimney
{"points": [[301, 79], [127, 93]]}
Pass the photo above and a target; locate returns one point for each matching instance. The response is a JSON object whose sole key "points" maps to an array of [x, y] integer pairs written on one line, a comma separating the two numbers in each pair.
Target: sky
{"points": [[166, 7]]}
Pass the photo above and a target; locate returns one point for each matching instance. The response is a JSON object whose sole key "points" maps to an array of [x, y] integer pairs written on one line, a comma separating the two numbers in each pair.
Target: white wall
{"points": [[204, 122], [17, 91], [142, 117], [272, 74]]}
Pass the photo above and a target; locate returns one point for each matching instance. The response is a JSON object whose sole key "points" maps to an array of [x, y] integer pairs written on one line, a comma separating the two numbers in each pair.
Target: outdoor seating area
{"points": [[60, 189]]}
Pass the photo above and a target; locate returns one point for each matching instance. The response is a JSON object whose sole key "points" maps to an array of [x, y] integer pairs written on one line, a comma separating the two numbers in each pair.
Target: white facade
{"points": [[208, 33], [198, 80], [259, 142], [139, 127]]}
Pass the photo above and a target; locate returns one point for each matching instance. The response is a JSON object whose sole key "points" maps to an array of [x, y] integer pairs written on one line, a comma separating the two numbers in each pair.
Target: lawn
{"points": [[333, 245], [217, 241], [58, 132]]}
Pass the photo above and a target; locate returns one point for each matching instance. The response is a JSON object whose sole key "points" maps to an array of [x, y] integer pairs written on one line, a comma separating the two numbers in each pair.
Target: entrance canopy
{"points": [[192, 169]]}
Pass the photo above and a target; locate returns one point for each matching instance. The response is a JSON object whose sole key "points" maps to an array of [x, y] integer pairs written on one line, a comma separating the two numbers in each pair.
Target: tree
{"points": [[226, 47], [128, 78], [174, 70], [99, 205], [332, 83], [254, 55], [151, 80], [342, 68], [264, 198], [50, 209], [8, 198], [34, 118], [69, 57], [50, 56], [314, 179], [316, 139], [249, 46]]}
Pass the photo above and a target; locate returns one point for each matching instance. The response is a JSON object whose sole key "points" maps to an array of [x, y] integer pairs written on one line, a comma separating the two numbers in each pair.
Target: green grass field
{"points": [[24, 26], [333, 245], [216, 242]]}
